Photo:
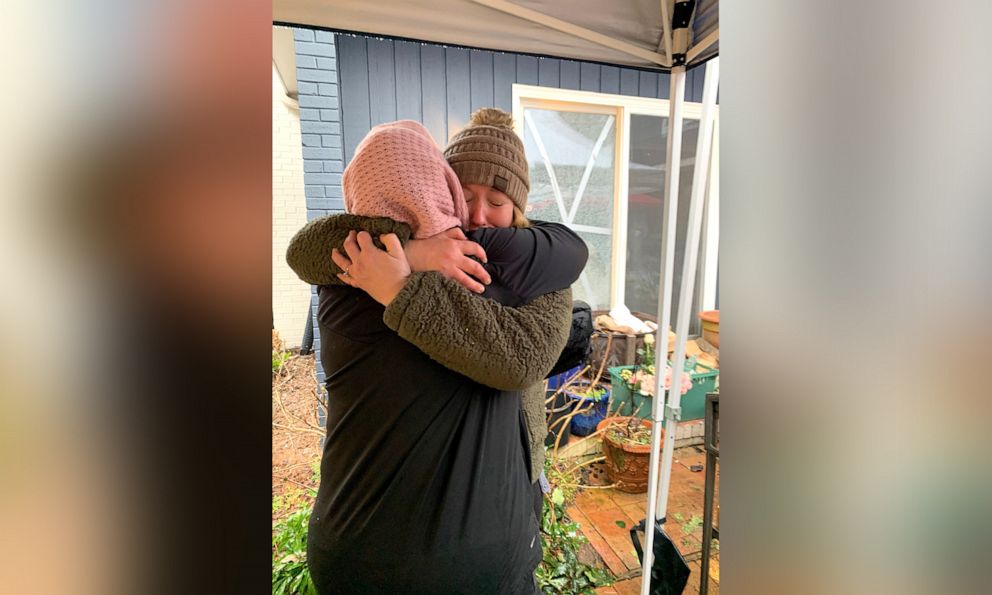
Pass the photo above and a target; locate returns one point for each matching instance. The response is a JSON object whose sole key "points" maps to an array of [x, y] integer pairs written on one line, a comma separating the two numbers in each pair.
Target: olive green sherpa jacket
{"points": [[502, 347]]}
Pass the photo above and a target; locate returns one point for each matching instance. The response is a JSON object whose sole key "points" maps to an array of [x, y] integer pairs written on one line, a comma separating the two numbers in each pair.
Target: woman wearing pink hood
{"points": [[427, 467]]}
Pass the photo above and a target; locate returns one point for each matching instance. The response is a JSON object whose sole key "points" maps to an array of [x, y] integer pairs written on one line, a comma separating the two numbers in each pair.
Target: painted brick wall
{"points": [[290, 296], [320, 125]]}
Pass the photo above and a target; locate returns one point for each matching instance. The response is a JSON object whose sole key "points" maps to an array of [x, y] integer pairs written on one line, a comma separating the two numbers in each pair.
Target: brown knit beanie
{"points": [[488, 152]]}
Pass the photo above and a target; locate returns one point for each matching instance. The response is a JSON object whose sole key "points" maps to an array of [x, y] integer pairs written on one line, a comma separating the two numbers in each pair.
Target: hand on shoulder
{"points": [[380, 274]]}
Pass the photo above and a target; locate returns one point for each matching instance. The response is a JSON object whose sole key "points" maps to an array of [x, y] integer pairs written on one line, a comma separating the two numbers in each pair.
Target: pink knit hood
{"points": [[399, 172]]}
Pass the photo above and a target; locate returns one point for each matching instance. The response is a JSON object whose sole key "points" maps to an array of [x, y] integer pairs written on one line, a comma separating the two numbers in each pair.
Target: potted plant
{"points": [[640, 380], [627, 451], [591, 400], [627, 439]]}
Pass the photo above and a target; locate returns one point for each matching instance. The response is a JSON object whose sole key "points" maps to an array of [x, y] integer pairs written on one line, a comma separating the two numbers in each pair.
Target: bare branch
{"points": [[292, 429]]}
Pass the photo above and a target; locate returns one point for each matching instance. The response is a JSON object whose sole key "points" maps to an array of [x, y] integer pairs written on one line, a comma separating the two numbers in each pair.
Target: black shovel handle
{"points": [[637, 542]]}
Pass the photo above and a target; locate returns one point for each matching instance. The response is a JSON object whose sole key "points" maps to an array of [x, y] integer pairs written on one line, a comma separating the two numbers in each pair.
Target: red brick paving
{"points": [[628, 587], [598, 510], [612, 561], [617, 537]]}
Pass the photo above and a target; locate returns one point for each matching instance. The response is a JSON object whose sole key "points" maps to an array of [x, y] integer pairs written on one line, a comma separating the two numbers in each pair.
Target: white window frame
{"points": [[622, 107]]}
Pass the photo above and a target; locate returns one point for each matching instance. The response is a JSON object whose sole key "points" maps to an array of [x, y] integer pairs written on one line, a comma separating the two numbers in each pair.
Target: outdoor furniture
{"points": [[711, 442]]}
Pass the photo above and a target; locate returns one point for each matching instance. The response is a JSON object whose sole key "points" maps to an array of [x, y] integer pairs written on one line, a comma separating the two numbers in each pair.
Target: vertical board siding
{"points": [[354, 92], [569, 75], [609, 80], [435, 103], [527, 70], [408, 80], [664, 86], [589, 77], [548, 72], [481, 79], [629, 82], [504, 74], [458, 89], [648, 84], [699, 75], [382, 81]]}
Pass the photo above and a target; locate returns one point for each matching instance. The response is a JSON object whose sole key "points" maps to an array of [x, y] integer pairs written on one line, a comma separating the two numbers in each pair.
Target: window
{"points": [[597, 164]]}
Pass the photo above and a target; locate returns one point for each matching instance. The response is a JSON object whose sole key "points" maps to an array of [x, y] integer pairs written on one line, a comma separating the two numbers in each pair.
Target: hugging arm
{"points": [[309, 252], [527, 262], [499, 346], [516, 347]]}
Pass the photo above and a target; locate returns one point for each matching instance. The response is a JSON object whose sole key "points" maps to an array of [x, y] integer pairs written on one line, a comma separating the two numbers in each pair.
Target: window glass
{"points": [[572, 174], [645, 209]]}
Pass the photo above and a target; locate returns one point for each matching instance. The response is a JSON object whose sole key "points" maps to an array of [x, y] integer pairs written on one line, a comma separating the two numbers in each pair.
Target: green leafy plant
{"points": [[279, 359], [628, 431], [290, 500], [688, 527], [589, 392], [561, 571], [692, 524], [315, 469], [290, 575]]}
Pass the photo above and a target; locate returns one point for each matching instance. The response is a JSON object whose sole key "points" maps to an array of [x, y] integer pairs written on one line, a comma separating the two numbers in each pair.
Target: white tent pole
{"points": [[658, 500], [700, 174], [676, 96]]}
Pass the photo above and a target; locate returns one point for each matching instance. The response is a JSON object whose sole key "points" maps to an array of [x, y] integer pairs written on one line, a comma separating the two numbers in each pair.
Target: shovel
{"points": [[669, 571]]}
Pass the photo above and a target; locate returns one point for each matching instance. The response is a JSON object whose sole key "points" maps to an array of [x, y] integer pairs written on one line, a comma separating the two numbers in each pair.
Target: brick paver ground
{"points": [[606, 516]]}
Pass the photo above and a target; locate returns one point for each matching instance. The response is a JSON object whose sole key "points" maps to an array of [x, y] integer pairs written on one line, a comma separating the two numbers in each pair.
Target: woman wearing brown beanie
{"points": [[489, 160], [452, 517]]}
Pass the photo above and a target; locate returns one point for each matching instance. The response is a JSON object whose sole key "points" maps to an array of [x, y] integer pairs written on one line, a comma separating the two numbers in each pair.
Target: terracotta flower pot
{"points": [[627, 464], [711, 326]]}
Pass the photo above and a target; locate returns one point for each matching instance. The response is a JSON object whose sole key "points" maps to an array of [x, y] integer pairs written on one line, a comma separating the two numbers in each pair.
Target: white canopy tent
{"points": [[623, 32], [661, 35]]}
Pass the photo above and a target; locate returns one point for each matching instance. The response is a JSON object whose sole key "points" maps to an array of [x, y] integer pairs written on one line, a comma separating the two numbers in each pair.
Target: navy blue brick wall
{"points": [[320, 128]]}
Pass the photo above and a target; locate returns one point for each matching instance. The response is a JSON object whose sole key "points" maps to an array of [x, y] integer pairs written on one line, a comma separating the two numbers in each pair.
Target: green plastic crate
{"points": [[693, 403]]}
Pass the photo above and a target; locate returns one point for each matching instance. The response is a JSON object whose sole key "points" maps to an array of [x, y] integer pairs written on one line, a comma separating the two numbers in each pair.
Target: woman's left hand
{"points": [[381, 274]]}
